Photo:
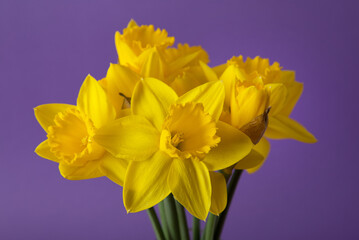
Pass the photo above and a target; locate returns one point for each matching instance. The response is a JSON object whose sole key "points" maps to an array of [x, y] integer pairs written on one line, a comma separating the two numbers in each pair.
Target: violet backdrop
{"points": [[302, 192]]}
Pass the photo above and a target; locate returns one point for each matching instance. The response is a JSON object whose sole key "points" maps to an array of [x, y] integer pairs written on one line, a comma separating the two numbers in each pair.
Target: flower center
{"points": [[71, 138], [177, 139], [188, 131]]}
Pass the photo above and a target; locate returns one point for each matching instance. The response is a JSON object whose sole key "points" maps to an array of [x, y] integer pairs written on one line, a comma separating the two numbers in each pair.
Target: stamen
{"points": [[177, 139]]}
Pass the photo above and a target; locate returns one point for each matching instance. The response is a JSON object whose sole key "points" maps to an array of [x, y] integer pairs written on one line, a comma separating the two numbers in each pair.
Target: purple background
{"points": [[302, 192]]}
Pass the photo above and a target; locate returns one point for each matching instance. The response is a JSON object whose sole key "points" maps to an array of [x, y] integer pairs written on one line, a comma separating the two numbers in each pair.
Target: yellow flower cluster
{"points": [[163, 122]]}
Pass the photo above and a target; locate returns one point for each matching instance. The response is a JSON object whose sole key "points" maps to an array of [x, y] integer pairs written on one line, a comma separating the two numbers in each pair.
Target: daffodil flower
{"points": [[133, 44], [175, 145], [253, 79], [144, 52], [251, 87], [178, 67], [70, 133]]}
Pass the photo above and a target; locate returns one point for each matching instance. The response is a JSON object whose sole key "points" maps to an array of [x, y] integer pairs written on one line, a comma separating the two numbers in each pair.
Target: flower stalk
{"points": [[232, 185], [171, 216], [161, 207], [155, 223], [182, 221], [196, 233], [210, 227]]}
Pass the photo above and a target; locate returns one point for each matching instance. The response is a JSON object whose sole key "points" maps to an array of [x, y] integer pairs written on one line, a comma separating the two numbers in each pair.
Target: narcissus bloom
{"points": [[136, 40], [71, 129], [178, 67], [144, 52], [175, 144], [251, 87]]}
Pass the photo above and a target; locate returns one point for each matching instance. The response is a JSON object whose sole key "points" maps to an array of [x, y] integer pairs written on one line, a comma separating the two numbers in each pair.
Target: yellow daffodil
{"points": [[143, 52], [135, 42], [179, 68], [70, 133], [175, 144], [251, 87]]}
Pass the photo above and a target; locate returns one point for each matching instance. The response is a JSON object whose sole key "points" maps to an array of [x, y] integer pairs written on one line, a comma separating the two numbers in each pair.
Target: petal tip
{"points": [[313, 140], [64, 175]]}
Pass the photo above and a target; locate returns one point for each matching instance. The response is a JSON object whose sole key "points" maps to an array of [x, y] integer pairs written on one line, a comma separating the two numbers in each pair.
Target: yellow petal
{"points": [[132, 137], [183, 50], [151, 64], [281, 127], [151, 99], [278, 94], [132, 23], [261, 148], [120, 81], [43, 150], [146, 182], [252, 160], [219, 193], [46, 113], [256, 157], [182, 61], [125, 54], [89, 170], [103, 83], [210, 94], [234, 146], [92, 101], [246, 104], [114, 168], [230, 75], [220, 69], [287, 77], [124, 113], [190, 184], [209, 73], [294, 93], [190, 78]]}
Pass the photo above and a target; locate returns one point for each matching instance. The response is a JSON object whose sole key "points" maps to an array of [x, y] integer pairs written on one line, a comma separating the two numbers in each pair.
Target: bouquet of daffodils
{"points": [[172, 131]]}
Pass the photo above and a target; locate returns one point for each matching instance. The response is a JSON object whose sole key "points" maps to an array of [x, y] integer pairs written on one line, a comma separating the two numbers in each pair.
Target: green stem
{"points": [[196, 234], [161, 207], [210, 225], [155, 223], [182, 221], [231, 189], [171, 216]]}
